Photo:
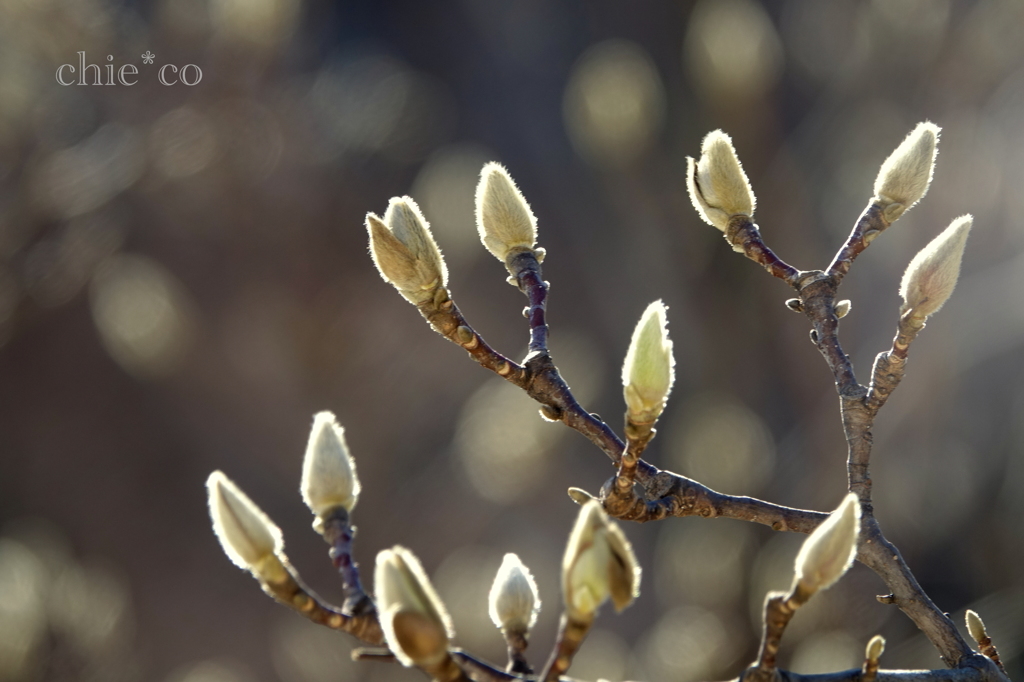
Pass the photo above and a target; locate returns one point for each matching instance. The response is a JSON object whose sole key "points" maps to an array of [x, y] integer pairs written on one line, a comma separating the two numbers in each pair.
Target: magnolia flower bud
{"points": [[843, 308], [875, 648], [906, 174], [719, 188], [405, 252], [513, 601], [416, 626], [827, 554], [503, 217], [649, 370], [599, 563], [248, 536], [328, 472], [976, 626], [931, 276]]}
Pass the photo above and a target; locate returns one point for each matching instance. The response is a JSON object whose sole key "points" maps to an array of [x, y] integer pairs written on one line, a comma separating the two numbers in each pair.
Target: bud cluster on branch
{"points": [[404, 612]]}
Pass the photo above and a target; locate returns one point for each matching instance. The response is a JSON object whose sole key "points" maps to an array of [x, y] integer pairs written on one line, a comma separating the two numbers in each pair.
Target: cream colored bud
{"points": [[906, 174], [415, 623], [328, 471], [649, 370], [513, 601], [875, 648], [598, 563], [404, 251], [931, 276], [247, 535], [503, 217], [718, 187], [827, 554], [843, 308], [975, 626]]}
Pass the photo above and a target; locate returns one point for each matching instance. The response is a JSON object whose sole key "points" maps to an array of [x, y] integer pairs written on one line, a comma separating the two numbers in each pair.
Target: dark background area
{"points": [[184, 282]]}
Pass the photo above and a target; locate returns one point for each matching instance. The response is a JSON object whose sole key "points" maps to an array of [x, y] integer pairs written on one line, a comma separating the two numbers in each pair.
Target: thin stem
{"points": [[339, 533], [779, 609], [869, 225], [571, 633], [524, 267], [745, 237], [517, 643]]}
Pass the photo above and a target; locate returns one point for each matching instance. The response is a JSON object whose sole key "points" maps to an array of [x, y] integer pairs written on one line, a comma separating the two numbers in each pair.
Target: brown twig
{"points": [[571, 633], [524, 268], [745, 237], [517, 643], [779, 608], [869, 225], [339, 533]]}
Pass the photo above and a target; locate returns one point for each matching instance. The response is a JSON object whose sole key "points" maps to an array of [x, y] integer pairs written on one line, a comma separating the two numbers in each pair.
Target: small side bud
{"points": [[718, 187], [906, 174], [416, 625], [328, 471], [875, 648], [932, 274], [579, 495], [828, 552], [976, 627], [843, 308], [513, 603], [248, 536], [599, 563], [503, 218], [649, 370], [404, 251]]}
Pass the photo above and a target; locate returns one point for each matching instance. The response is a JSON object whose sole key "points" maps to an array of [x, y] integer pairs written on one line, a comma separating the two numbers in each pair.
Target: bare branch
{"points": [[869, 225]]}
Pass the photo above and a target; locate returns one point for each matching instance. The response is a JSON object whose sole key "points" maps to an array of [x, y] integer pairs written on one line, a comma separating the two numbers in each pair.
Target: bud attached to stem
{"points": [[932, 274], [904, 177], [503, 218], [829, 551], [875, 648], [247, 535], [404, 251], [513, 601], [718, 187], [416, 626], [328, 471], [649, 370], [599, 563], [975, 626]]}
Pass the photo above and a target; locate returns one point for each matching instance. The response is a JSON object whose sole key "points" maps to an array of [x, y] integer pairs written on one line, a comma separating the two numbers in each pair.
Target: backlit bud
{"points": [[931, 276], [843, 308], [906, 174], [599, 563], [503, 217], [976, 626], [405, 252], [513, 602], [718, 186], [827, 554], [328, 472], [875, 648], [416, 626], [649, 370], [248, 536]]}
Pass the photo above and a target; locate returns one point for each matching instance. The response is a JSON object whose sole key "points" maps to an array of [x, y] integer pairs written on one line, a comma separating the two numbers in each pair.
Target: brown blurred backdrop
{"points": [[184, 282]]}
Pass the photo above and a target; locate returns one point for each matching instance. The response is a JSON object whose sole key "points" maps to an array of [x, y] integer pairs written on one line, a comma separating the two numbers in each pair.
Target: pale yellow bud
{"points": [[975, 626], [247, 535], [827, 554], [513, 601], [598, 563], [649, 370], [875, 648], [718, 187], [404, 251], [416, 625], [931, 276], [843, 308], [503, 217], [906, 174], [328, 471]]}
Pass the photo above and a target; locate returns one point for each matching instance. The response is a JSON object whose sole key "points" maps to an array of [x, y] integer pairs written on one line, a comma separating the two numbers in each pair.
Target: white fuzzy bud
{"points": [[718, 187], [416, 625], [599, 563], [828, 552], [513, 602], [932, 274], [975, 626], [649, 369], [328, 471], [248, 536], [875, 648], [906, 174], [503, 217], [404, 251]]}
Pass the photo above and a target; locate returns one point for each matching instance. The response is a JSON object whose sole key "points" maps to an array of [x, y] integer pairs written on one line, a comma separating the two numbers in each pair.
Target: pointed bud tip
{"points": [[246, 534], [329, 477], [503, 217], [648, 371], [932, 274], [875, 648], [599, 563], [829, 551], [975, 626], [405, 252], [905, 175], [718, 186], [513, 603]]}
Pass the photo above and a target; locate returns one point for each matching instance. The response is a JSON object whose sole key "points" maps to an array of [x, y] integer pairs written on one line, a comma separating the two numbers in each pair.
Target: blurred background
{"points": [[184, 282]]}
